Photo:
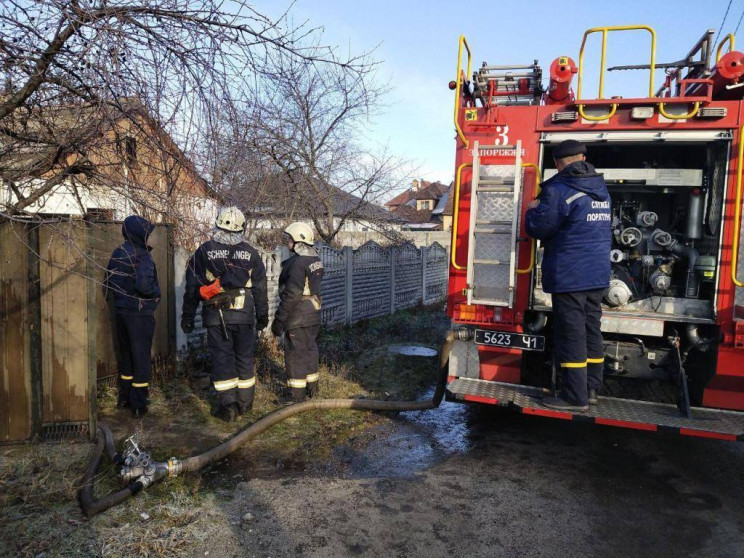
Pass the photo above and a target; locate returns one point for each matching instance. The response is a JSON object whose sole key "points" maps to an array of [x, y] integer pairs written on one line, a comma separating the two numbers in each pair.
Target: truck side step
{"points": [[625, 413]]}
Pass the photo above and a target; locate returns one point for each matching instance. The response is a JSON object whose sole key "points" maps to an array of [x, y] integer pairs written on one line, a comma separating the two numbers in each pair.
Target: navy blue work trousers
{"points": [[232, 363], [134, 333], [301, 358], [577, 342]]}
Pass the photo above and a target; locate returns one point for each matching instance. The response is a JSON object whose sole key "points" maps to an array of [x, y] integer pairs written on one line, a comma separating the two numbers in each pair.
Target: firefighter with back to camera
{"points": [[227, 276], [298, 315], [132, 279], [572, 218]]}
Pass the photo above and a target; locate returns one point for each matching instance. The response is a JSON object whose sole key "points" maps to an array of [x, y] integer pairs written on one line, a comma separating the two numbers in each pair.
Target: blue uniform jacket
{"points": [[573, 221], [131, 275]]}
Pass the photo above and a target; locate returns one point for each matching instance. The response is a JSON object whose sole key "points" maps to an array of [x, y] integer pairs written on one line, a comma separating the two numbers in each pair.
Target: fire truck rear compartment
{"points": [[666, 228], [666, 216]]}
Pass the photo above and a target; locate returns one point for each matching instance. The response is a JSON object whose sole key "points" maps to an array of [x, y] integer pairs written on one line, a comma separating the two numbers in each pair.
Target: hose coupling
{"points": [[175, 466]]}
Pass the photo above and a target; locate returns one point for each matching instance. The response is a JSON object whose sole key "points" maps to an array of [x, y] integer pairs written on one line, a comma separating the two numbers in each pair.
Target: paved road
{"points": [[467, 481]]}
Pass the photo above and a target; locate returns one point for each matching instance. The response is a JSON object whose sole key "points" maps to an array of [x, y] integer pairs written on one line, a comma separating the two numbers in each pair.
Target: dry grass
{"points": [[38, 482]]}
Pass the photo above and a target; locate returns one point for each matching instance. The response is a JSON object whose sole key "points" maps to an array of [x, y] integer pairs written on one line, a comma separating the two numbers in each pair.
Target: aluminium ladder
{"points": [[494, 225]]}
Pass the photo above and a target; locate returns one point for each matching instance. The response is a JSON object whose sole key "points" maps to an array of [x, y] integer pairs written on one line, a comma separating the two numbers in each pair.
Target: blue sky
{"points": [[417, 44]]}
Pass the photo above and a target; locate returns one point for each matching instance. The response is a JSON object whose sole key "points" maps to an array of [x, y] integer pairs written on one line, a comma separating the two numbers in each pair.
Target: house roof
{"points": [[450, 202], [294, 198], [401, 199], [433, 191], [446, 202], [426, 191], [422, 226], [411, 214]]}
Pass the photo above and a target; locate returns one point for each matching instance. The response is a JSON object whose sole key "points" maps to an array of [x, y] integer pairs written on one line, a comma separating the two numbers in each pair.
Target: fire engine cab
{"points": [[673, 315]]}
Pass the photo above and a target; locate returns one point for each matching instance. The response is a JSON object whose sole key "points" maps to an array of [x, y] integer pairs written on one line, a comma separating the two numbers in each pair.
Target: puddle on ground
{"points": [[415, 441], [413, 350], [411, 443]]}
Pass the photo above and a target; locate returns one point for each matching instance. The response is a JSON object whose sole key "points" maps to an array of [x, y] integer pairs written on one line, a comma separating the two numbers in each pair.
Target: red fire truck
{"points": [[673, 315]]}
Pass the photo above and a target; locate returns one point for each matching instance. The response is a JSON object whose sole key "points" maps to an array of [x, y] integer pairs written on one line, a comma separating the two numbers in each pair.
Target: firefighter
{"points": [[132, 280], [298, 315], [571, 217], [227, 276]]}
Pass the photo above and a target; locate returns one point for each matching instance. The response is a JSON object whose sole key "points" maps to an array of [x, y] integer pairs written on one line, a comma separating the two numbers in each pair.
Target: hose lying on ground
{"points": [[141, 471]]}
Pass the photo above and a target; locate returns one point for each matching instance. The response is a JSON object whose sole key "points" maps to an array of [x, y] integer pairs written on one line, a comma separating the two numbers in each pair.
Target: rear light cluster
{"points": [[476, 313]]}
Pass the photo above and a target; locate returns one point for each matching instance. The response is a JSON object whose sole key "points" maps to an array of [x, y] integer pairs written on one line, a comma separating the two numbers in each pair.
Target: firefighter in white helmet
{"points": [[298, 315], [227, 276]]}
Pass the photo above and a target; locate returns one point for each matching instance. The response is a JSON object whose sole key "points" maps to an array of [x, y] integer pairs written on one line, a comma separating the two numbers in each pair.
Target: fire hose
{"points": [[140, 471]]}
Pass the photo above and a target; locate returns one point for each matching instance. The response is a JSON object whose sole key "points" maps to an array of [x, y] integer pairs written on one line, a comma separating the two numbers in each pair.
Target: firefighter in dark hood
{"points": [[226, 275], [572, 219], [298, 315], [132, 280]]}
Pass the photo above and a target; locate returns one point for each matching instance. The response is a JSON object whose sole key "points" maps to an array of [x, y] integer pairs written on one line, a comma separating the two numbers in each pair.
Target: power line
{"points": [[724, 21], [737, 25]]}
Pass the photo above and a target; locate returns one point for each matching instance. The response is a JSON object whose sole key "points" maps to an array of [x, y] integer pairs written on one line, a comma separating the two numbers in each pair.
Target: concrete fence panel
{"points": [[370, 288], [408, 276], [357, 285], [436, 260], [334, 285]]}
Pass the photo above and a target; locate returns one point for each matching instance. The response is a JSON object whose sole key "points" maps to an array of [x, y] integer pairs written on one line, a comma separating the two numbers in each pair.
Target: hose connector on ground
{"points": [[139, 470], [140, 467]]}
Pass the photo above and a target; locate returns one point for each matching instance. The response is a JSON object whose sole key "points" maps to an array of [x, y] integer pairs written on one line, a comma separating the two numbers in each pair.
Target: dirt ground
{"points": [[455, 481], [39, 514]]}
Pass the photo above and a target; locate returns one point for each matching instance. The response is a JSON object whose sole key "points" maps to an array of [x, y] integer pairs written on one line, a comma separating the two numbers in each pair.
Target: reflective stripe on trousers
{"points": [[224, 385]]}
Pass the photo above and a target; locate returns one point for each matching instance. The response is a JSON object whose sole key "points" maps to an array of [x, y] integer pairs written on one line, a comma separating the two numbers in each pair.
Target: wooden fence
{"points": [[55, 337]]}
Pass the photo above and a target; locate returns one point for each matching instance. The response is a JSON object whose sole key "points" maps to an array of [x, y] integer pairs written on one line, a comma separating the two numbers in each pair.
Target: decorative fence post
{"points": [[349, 283], [424, 249], [393, 264]]}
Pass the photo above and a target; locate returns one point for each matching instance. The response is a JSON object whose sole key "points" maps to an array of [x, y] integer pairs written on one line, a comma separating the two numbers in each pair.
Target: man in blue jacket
{"points": [[132, 279], [572, 218]]}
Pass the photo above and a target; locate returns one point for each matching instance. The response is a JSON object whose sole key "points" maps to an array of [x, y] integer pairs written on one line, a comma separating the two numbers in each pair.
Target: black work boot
{"points": [[243, 410], [227, 413], [593, 397], [560, 404], [139, 412]]}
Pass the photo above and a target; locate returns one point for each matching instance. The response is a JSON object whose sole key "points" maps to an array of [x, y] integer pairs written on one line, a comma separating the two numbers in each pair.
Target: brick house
{"points": [[131, 166], [423, 206]]}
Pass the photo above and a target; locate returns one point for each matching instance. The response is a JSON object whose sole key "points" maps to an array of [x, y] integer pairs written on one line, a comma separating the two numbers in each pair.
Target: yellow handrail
{"points": [[737, 213], [537, 191], [665, 114], [604, 31], [455, 215], [463, 41], [731, 40], [598, 118]]}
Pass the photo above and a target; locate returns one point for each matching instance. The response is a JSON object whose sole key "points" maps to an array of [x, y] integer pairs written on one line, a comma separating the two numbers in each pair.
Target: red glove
{"points": [[208, 291]]}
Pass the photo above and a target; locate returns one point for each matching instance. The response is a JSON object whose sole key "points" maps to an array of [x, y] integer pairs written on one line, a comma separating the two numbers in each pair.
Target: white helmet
{"points": [[300, 232], [230, 219]]}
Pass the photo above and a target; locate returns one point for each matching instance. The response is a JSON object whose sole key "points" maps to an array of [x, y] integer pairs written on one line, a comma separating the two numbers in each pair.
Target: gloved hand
{"points": [[187, 325], [261, 324], [277, 328]]}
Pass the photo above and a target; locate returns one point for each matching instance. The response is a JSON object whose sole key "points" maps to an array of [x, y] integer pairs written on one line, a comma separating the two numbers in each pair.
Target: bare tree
{"points": [[302, 134], [88, 82]]}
